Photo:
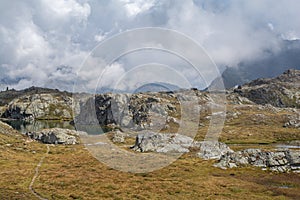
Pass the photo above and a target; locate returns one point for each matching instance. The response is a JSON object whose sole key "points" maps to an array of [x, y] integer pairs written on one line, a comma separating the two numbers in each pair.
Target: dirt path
{"points": [[37, 174]]}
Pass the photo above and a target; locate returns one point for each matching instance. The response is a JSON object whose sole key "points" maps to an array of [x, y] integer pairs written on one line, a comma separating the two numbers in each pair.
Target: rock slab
{"points": [[177, 143], [280, 161], [55, 136]]}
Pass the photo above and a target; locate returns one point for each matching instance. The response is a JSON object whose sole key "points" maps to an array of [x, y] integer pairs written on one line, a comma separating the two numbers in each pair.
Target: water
{"points": [[31, 126], [37, 125], [284, 146]]}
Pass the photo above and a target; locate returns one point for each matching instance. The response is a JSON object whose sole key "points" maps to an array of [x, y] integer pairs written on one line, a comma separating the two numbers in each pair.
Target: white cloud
{"points": [[291, 35], [99, 38], [134, 7], [38, 37]]}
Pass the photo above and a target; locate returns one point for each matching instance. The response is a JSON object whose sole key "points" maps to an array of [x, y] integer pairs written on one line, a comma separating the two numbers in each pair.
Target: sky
{"points": [[46, 43]]}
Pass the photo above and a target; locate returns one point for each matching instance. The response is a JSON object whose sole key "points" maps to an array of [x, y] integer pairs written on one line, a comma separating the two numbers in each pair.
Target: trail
{"points": [[37, 174]]}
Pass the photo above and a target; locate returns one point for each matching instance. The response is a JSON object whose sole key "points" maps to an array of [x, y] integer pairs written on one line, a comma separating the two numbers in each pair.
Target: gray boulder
{"points": [[212, 149], [276, 159], [177, 143], [162, 143], [293, 157], [55, 136], [293, 122], [280, 161], [118, 137]]}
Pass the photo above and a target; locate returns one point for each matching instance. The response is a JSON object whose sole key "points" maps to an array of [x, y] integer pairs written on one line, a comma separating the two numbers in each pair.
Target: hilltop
{"points": [[281, 91], [8, 95]]}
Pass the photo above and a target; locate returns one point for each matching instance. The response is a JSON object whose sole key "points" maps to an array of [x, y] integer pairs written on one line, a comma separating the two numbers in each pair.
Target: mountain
{"points": [[281, 91], [149, 87], [270, 65], [157, 87]]}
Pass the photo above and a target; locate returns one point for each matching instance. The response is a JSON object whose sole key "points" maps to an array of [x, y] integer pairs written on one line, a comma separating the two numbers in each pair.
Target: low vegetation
{"points": [[71, 172]]}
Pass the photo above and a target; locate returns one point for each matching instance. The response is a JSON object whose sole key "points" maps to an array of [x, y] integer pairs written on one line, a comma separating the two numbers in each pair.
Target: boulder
{"points": [[55, 136], [118, 137], [162, 142], [293, 122], [212, 149], [177, 143], [293, 157], [276, 159], [280, 161]]}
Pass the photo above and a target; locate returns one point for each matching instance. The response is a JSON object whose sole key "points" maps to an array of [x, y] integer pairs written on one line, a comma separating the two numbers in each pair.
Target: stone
{"points": [[118, 137], [293, 157], [232, 165], [172, 120], [175, 148], [40, 106], [162, 142], [133, 111], [239, 159], [213, 150], [279, 161], [276, 159], [56, 136], [293, 122]]}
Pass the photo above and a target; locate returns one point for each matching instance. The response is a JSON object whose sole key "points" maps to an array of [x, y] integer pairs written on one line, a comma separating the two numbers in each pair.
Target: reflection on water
{"points": [[26, 126], [31, 126], [284, 146]]}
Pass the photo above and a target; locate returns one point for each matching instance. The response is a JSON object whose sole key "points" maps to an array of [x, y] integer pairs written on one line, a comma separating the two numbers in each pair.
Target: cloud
{"points": [[38, 38], [134, 7]]}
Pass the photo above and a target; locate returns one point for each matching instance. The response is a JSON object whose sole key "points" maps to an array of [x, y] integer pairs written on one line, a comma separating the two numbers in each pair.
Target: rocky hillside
{"points": [[9, 95], [282, 91], [36, 103], [128, 110], [142, 110]]}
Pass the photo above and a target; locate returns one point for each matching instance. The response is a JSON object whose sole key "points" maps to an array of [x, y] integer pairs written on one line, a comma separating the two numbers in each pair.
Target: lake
{"points": [[27, 126], [32, 126]]}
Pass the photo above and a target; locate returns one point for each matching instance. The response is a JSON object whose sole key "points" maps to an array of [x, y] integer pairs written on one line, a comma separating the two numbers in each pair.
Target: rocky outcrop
{"points": [[56, 136], [280, 161], [118, 137], [293, 121], [177, 143], [282, 91], [7, 96], [56, 105], [126, 110], [162, 142], [212, 149]]}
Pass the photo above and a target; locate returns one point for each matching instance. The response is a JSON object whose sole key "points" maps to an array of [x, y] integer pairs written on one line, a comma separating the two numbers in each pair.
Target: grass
{"points": [[71, 172], [77, 174]]}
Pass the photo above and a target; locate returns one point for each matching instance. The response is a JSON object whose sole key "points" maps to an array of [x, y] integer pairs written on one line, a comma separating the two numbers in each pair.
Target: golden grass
{"points": [[71, 172]]}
